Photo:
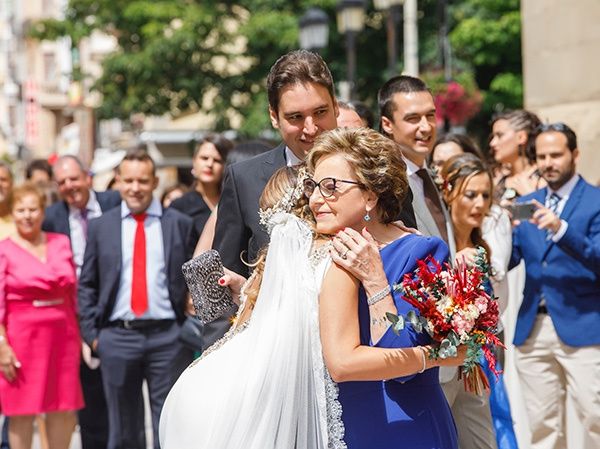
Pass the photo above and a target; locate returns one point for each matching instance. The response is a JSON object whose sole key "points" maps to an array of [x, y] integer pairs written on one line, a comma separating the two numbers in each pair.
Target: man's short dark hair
{"points": [[140, 155], [297, 67], [38, 164], [399, 84], [558, 127], [363, 111]]}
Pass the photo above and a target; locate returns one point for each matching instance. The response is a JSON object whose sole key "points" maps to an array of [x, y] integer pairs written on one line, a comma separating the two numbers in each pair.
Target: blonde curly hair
{"points": [[278, 186], [377, 163]]}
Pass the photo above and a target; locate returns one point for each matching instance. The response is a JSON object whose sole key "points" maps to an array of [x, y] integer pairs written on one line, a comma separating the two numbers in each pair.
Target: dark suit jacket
{"points": [[57, 215], [566, 274], [101, 271], [238, 229]]}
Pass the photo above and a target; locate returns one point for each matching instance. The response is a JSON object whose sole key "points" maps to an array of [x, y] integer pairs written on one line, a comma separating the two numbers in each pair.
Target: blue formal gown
{"points": [[404, 413]]}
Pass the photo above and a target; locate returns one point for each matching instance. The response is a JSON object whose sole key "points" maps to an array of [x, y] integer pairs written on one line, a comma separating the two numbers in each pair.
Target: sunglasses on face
{"points": [[327, 186]]}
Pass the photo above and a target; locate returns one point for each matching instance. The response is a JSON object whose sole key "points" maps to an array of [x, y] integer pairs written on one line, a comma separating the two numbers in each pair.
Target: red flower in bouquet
{"points": [[454, 309]]}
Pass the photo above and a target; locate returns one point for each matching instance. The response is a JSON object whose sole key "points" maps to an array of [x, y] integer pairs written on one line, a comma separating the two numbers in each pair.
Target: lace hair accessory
{"points": [[285, 204]]}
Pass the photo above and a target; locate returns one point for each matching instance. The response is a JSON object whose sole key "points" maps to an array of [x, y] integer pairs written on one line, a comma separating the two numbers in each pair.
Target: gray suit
{"points": [[471, 412]]}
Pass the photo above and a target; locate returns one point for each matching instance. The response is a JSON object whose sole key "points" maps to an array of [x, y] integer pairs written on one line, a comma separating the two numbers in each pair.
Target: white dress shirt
{"points": [[78, 229], [290, 158], [564, 193], [159, 305]]}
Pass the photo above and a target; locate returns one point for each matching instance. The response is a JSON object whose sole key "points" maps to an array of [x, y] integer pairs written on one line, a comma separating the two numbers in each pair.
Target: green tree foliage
{"points": [[487, 36], [177, 56]]}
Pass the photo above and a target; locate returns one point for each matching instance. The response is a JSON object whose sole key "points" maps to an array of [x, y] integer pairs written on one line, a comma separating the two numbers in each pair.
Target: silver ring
{"points": [[344, 256]]}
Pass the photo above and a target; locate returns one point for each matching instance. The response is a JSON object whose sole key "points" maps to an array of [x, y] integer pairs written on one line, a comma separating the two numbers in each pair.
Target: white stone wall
{"points": [[561, 68]]}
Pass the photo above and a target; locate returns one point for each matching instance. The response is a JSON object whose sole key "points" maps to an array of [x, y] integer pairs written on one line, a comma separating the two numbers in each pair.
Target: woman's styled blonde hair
{"points": [[377, 163], [278, 187]]}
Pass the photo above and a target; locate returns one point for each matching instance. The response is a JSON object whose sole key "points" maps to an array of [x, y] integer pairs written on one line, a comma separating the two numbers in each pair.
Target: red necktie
{"points": [[139, 289]]}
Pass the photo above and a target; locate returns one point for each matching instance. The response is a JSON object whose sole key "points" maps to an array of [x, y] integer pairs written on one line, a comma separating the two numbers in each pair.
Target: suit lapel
{"points": [[546, 242], [570, 206], [64, 225], [272, 163], [449, 230], [115, 244], [573, 200], [166, 225], [425, 222]]}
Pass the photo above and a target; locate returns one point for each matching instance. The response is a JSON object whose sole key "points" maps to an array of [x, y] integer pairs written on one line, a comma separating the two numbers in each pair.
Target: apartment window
{"points": [[50, 68]]}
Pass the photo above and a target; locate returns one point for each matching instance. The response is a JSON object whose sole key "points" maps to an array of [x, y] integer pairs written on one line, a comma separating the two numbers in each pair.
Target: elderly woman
{"points": [[358, 185], [39, 335]]}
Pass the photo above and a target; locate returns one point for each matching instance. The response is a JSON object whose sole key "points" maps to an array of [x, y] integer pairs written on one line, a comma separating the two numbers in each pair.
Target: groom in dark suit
{"points": [[302, 105], [70, 217], [132, 298]]}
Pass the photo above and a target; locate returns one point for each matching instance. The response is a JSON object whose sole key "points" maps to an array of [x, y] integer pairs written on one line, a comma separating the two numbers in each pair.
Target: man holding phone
{"points": [[557, 336]]}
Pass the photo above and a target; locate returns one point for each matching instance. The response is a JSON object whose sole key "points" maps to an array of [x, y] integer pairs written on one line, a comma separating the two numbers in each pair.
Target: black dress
{"points": [[193, 205]]}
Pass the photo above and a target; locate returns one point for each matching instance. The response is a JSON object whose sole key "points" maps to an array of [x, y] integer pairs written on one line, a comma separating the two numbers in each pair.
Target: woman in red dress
{"points": [[39, 335]]}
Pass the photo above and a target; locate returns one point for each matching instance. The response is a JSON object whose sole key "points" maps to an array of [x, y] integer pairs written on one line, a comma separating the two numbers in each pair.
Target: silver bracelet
{"points": [[424, 360], [379, 295]]}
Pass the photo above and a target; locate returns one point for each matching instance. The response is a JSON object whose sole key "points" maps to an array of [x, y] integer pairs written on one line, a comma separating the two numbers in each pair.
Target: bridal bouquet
{"points": [[454, 309]]}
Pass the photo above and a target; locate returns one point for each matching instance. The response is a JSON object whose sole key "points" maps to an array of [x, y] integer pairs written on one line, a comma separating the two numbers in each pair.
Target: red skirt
{"points": [[45, 339]]}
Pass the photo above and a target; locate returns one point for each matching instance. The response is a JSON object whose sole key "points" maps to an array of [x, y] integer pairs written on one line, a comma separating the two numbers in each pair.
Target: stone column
{"points": [[561, 70]]}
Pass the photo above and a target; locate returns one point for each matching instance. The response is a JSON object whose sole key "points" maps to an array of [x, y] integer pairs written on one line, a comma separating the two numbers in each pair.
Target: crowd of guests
{"points": [[92, 297]]}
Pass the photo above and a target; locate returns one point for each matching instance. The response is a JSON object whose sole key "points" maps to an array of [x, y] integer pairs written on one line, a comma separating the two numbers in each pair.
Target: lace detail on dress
{"points": [[328, 396], [318, 254], [221, 341], [233, 330], [335, 425]]}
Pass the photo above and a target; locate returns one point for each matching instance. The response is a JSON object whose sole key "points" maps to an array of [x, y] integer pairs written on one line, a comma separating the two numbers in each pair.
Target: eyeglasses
{"points": [[327, 186]]}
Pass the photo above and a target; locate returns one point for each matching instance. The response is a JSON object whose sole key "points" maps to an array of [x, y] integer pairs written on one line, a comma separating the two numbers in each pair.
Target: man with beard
{"points": [[557, 336]]}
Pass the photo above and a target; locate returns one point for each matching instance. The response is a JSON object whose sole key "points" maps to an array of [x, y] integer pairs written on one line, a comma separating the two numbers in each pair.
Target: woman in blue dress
{"points": [[359, 182]]}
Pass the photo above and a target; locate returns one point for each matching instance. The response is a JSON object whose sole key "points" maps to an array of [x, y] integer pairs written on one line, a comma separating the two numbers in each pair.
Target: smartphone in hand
{"points": [[522, 211]]}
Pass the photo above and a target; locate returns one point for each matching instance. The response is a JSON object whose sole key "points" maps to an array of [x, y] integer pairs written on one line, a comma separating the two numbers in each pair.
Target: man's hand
{"points": [[545, 219]]}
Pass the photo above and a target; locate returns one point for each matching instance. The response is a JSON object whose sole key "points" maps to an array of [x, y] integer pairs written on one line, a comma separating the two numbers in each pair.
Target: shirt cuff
{"points": [[561, 231]]}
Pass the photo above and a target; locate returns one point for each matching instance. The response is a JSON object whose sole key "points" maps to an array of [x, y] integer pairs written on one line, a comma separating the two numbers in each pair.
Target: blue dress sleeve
{"points": [[408, 337]]}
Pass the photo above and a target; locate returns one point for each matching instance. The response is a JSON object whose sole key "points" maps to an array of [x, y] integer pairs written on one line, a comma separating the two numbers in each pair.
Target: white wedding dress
{"points": [[264, 385]]}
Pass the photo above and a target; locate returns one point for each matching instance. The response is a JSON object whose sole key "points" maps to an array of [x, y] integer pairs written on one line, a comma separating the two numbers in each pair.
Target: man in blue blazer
{"points": [[557, 335], [79, 203], [132, 300]]}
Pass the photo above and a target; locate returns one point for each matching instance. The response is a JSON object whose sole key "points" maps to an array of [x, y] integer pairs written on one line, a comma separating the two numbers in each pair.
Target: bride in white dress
{"points": [[264, 384]]}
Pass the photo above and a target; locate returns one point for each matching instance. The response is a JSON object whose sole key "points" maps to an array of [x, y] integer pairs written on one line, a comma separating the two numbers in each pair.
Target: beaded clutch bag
{"points": [[209, 298]]}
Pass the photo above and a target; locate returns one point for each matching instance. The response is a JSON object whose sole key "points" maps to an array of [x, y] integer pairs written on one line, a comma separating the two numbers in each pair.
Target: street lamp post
{"points": [[411, 38], [393, 9], [350, 21], [314, 29]]}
